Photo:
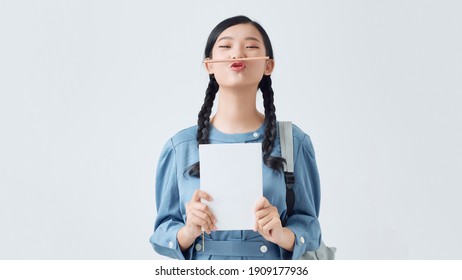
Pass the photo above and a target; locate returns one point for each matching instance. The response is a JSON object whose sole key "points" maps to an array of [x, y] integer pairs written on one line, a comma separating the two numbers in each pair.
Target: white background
{"points": [[91, 90]]}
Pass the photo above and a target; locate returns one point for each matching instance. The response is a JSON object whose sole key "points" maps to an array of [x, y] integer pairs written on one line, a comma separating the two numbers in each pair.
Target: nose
{"points": [[238, 53]]}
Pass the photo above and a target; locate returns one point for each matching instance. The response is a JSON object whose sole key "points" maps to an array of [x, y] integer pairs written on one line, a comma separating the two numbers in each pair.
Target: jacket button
{"points": [[263, 249], [256, 134], [198, 247], [302, 240], [170, 244]]}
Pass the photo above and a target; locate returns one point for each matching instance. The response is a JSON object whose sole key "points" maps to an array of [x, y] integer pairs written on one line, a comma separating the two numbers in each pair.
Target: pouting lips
{"points": [[237, 65]]}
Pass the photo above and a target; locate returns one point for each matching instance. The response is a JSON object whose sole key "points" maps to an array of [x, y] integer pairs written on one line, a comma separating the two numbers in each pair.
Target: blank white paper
{"points": [[232, 175]]}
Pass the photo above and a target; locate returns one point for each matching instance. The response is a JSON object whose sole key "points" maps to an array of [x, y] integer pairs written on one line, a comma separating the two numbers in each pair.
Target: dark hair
{"points": [[203, 121]]}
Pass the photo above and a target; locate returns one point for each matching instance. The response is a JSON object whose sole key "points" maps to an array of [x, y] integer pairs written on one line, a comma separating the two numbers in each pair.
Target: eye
{"points": [[225, 46], [252, 47]]}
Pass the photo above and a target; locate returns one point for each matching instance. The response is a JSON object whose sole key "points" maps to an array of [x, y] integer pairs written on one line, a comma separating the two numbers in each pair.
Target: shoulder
{"points": [[302, 140], [298, 133], [184, 136]]}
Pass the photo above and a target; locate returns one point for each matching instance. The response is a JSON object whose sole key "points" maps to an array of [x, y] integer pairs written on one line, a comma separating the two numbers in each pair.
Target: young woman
{"points": [[180, 213]]}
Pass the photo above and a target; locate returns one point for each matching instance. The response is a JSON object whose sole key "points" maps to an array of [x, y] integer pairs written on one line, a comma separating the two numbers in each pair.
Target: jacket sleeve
{"points": [[304, 220], [169, 218]]}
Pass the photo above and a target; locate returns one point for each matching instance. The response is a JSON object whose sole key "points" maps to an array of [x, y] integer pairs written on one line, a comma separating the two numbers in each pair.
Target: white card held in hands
{"points": [[232, 175]]}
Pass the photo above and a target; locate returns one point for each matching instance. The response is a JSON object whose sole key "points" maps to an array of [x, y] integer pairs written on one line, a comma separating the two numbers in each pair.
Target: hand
{"points": [[267, 221], [199, 215]]}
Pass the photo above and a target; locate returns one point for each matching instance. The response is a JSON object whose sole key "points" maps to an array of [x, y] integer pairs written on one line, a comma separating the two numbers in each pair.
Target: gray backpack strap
{"points": [[287, 152], [287, 145]]}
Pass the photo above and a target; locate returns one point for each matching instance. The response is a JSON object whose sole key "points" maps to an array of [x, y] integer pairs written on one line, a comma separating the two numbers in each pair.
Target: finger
{"points": [[206, 216], [272, 224], [203, 208], [266, 229], [262, 203], [255, 226], [258, 215], [263, 213], [259, 204], [203, 216], [263, 221], [263, 216], [196, 219], [266, 211], [198, 194], [264, 234]]}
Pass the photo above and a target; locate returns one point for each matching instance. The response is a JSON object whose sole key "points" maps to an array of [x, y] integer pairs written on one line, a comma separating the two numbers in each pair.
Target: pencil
{"points": [[208, 60]]}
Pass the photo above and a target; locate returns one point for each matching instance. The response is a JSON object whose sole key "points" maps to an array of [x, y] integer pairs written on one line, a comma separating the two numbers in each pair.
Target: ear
{"points": [[208, 66], [269, 67]]}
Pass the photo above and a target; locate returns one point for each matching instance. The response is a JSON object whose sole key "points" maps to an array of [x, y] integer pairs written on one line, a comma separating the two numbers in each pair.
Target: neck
{"points": [[237, 111]]}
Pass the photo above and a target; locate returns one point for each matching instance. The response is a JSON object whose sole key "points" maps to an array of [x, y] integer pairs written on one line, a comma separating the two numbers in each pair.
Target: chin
{"points": [[236, 83]]}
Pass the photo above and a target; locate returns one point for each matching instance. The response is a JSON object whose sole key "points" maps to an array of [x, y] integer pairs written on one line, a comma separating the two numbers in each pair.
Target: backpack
{"points": [[287, 151]]}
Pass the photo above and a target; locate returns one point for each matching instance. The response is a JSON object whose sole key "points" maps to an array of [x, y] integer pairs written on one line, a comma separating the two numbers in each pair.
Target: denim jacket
{"points": [[174, 188]]}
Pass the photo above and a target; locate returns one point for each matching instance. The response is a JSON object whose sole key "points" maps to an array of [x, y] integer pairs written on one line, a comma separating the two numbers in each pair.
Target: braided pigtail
{"points": [[276, 163], [203, 122]]}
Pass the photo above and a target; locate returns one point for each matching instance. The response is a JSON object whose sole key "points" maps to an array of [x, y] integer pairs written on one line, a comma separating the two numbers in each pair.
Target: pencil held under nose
{"points": [[209, 60]]}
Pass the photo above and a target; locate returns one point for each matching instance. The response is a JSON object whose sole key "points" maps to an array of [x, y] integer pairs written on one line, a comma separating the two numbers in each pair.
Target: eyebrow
{"points": [[246, 38]]}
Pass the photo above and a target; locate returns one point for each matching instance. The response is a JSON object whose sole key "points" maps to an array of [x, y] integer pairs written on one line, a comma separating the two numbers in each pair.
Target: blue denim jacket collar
{"points": [[217, 135]]}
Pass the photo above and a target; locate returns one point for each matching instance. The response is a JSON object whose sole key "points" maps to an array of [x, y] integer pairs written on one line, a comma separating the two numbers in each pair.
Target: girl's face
{"points": [[239, 41]]}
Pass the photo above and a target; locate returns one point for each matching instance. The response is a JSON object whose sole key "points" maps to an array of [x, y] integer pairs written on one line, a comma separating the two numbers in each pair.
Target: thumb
{"points": [[262, 203]]}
